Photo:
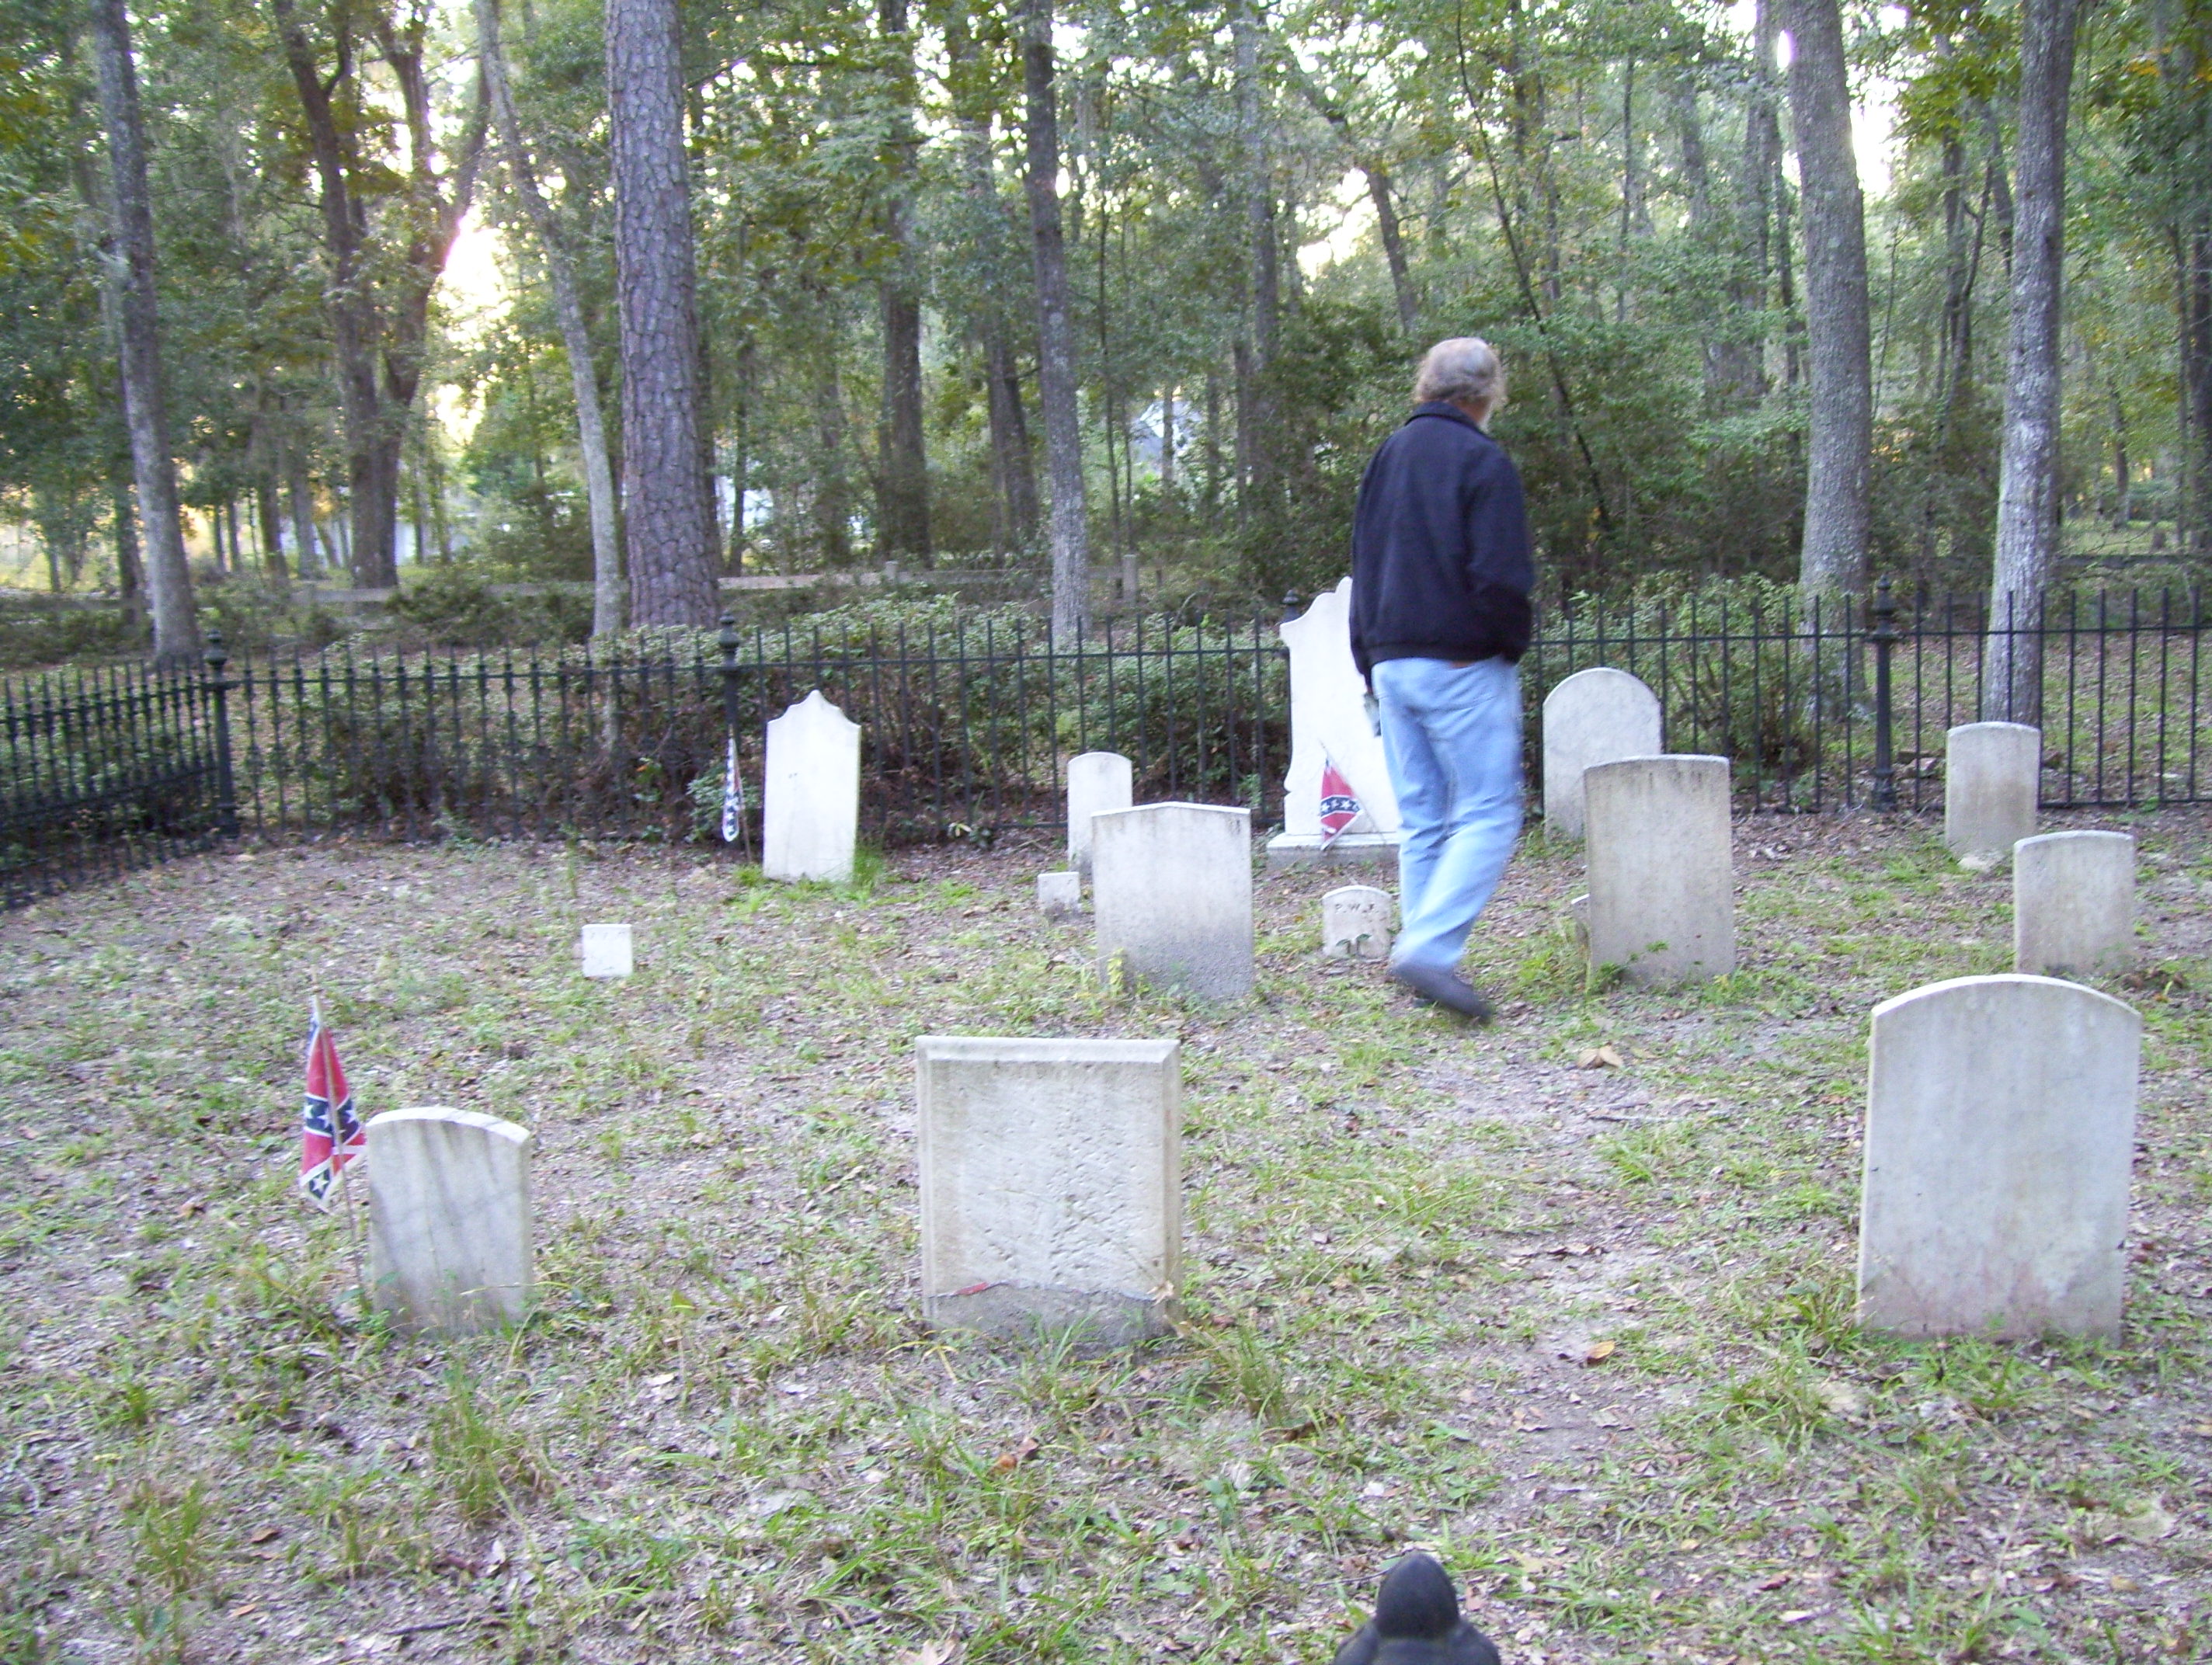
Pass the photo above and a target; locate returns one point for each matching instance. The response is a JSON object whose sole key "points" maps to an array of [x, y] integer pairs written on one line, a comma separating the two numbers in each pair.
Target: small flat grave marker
{"points": [[1355, 923], [1059, 895], [606, 950]]}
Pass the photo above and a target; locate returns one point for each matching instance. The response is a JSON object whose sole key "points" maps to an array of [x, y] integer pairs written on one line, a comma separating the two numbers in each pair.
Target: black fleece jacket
{"points": [[1440, 564]]}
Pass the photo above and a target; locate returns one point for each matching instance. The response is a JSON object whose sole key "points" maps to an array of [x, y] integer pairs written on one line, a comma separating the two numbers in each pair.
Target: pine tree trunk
{"points": [[176, 624], [1840, 429], [1056, 386], [607, 596], [2027, 463], [668, 506]]}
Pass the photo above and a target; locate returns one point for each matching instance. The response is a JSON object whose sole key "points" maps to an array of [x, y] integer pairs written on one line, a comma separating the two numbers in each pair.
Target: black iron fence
{"points": [[967, 729]]}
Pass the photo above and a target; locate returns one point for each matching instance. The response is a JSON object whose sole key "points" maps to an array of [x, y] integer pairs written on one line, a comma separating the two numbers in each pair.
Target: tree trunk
{"points": [[1013, 476], [379, 307], [667, 500], [2027, 462], [1257, 415], [305, 558], [833, 508], [153, 465], [607, 597], [2193, 510], [1056, 386], [903, 493], [129, 566], [1840, 427], [1387, 226]]}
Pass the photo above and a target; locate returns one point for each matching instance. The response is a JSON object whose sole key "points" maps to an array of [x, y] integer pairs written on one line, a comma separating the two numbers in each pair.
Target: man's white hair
{"points": [[1464, 370]]}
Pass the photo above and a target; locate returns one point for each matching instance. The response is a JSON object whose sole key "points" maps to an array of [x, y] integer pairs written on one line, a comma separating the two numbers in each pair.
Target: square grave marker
{"points": [[606, 950], [1051, 1185]]}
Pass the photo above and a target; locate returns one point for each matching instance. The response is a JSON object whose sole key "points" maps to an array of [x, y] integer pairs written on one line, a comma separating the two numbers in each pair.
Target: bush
{"points": [[966, 719], [44, 631], [1738, 672]]}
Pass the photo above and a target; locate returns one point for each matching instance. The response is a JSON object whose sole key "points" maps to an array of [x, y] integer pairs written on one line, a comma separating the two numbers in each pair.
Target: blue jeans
{"points": [[1452, 735]]}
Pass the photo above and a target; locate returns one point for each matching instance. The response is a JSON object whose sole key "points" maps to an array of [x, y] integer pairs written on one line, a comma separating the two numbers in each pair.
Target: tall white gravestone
{"points": [[1096, 781], [811, 801], [2074, 904], [1051, 1185], [1171, 895], [1989, 776], [1355, 923], [605, 951], [1595, 716], [2001, 1116], [449, 1230], [1328, 721], [1662, 886]]}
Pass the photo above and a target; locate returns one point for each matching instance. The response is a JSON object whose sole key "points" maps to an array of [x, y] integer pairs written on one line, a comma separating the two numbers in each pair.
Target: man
{"points": [[1441, 577]]}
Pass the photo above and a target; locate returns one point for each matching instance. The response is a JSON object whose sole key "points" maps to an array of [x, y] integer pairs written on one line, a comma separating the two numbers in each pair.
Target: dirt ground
{"points": [[1567, 1300]]}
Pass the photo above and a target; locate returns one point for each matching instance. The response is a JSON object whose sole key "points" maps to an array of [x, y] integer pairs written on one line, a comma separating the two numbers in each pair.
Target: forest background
{"points": [[821, 324]]}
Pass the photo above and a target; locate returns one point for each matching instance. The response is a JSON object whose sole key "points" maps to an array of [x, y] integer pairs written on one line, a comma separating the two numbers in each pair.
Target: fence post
{"points": [[226, 785], [734, 786], [1883, 636]]}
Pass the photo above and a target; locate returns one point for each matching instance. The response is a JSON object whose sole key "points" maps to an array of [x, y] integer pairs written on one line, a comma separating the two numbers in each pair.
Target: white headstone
{"points": [[448, 1220], [1059, 895], [1595, 716], [1989, 776], [1355, 923], [1051, 1184], [1328, 723], [2074, 904], [1171, 891], [1662, 888], [810, 810], [1096, 780], [606, 950], [2000, 1132]]}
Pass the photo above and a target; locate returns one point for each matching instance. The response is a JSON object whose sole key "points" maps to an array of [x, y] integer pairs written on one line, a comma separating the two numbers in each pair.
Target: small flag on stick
{"points": [[331, 1134], [734, 797], [1339, 806]]}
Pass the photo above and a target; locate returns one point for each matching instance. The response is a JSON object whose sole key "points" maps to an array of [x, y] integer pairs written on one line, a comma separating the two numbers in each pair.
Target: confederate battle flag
{"points": [[331, 1135], [1339, 808]]}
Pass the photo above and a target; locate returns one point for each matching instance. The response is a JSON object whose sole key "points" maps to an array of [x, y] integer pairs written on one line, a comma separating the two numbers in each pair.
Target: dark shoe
{"points": [[1445, 989]]}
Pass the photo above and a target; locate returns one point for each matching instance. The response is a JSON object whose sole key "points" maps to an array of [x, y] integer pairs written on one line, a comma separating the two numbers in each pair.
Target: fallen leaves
{"points": [[1606, 1057], [1598, 1351], [940, 1652], [1010, 1461], [262, 1534]]}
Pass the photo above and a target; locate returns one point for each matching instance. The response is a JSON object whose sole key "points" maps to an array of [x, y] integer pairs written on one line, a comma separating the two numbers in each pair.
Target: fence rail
{"points": [[967, 729]]}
